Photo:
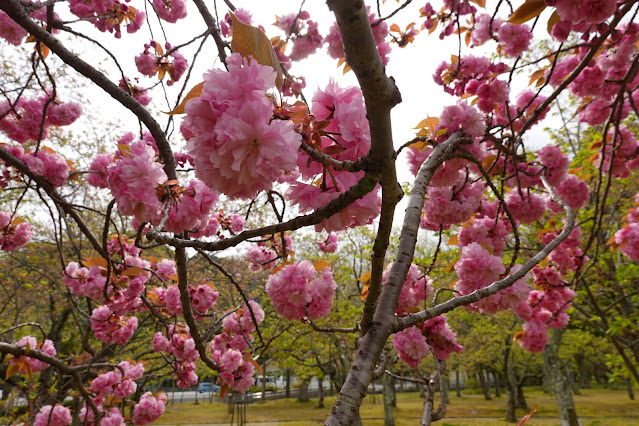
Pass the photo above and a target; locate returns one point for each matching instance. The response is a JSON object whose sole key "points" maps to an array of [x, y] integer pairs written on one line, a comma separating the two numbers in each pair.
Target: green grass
{"points": [[595, 407]]}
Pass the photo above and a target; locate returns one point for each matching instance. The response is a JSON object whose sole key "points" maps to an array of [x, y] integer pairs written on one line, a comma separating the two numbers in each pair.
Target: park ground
{"points": [[595, 407]]}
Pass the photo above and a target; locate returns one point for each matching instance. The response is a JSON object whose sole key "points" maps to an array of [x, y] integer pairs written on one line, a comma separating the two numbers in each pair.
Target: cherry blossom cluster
{"points": [[28, 365], [14, 232], [57, 415], [177, 342], [329, 245], [31, 119], [415, 290], [627, 238], [108, 15], [203, 298], [170, 10], [265, 255], [304, 34], [153, 60], [14, 33], [230, 349], [415, 343], [297, 289], [349, 140], [237, 148]]}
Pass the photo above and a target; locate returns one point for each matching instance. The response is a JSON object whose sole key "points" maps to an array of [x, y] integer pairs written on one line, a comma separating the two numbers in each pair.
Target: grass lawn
{"points": [[595, 407]]}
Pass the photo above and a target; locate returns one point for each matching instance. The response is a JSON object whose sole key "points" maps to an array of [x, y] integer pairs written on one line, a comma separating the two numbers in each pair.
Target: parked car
{"points": [[207, 387]]}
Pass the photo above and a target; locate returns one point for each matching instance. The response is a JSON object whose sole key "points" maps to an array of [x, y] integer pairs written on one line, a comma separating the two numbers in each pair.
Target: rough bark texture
{"points": [[559, 383]]}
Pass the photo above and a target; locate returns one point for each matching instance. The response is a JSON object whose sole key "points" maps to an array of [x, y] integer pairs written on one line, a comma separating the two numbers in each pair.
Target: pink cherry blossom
{"points": [[98, 170], [591, 11], [35, 365], [329, 245], [58, 415], [380, 32], [132, 179], [411, 346], [149, 408], [170, 10], [555, 162], [297, 287], [416, 289], [573, 191], [526, 209], [514, 39], [13, 233]]}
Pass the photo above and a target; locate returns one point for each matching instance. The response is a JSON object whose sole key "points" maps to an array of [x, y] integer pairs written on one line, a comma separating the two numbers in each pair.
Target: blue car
{"points": [[207, 387]]}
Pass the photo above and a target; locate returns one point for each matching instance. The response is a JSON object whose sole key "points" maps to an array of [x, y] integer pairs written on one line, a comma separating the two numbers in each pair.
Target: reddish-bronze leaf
{"points": [[195, 92], [527, 11], [250, 41]]}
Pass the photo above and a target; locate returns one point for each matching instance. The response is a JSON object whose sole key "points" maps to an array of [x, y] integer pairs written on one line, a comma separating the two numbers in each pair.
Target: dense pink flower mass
{"points": [[153, 61], [49, 165], [451, 205], [573, 191], [133, 178], [411, 346], [10, 30], [590, 11], [297, 287], [236, 148], [416, 288], [627, 238], [58, 415], [514, 39], [329, 245], [34, 365], [555, 162], [149, 408], [111, 328], [310, 197], [14, 233], [526, 207], [170, 10], [192, 209]]}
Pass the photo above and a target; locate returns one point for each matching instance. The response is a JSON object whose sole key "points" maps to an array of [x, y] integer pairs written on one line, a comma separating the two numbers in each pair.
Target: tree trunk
{"points": [[570, 376], [582, 371], [521, 400], [496, 380], [559, 383], [387, 390], [457, 385], [484, 383], [264, 381], [511, 384], [445, 386], [320, 393], [631, 393], [393, 392], [303, 394], [288, 384]]}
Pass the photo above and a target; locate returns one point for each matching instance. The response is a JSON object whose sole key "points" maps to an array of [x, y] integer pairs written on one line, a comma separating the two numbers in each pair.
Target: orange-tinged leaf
{"points": [[451, 265], [480, 3], [12, 370], [124, 149], [596, 144], [17, 221], [419, 145], [434, 27], [429, 123], [519, 335], [280, 266], [453, 240], [610, 241], [95, 261], [365, 277], [441, 131], [554, 18], [528, 416], [535, 76], [488, 161], [527, 11], [467, 39], [251, 41], [395, 28], [195, 92], [364, 291], [321, 264], [540, 82], [252, 361], [347, 68], [133, 271], [454, 59], [452, 285]]}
